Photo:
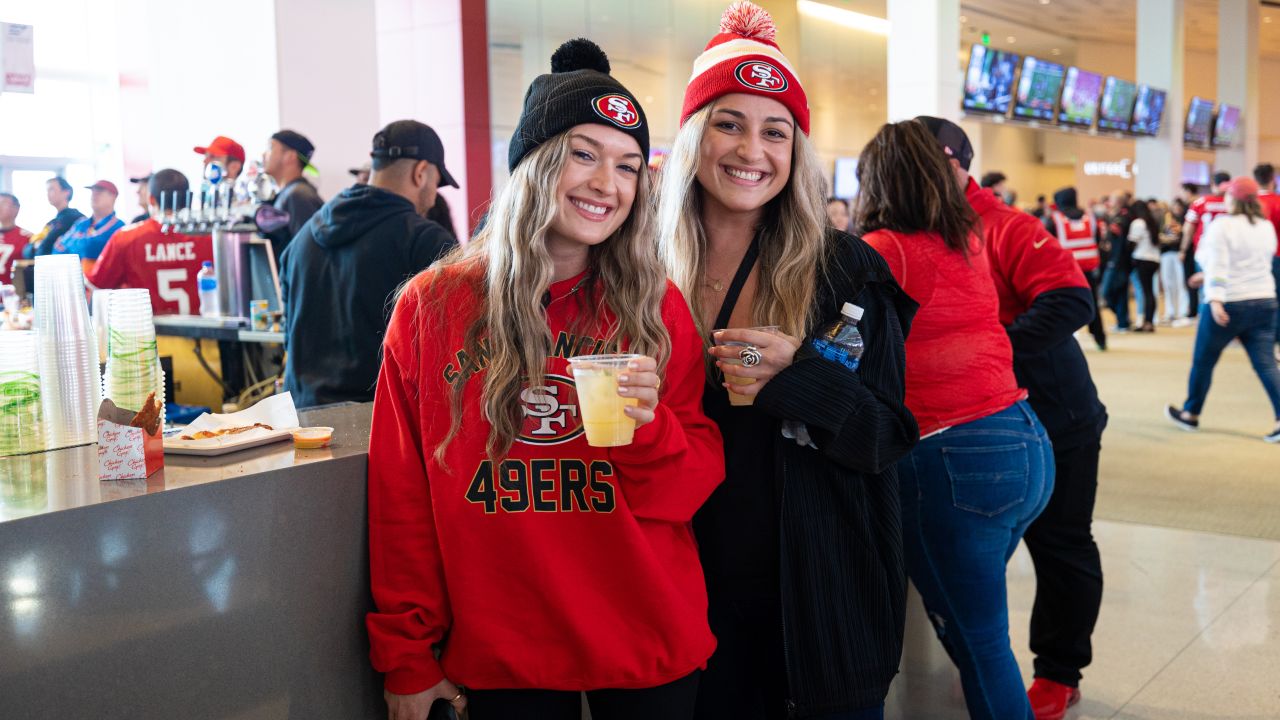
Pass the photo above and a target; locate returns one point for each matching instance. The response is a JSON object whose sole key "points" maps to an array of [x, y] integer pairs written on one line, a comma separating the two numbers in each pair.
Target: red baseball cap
{"points": [[222, 146], [104, 185], [1242, 188]]}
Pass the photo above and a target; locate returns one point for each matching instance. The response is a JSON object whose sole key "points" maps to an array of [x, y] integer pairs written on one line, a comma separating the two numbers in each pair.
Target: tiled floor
{"points": [[1190, 630]]}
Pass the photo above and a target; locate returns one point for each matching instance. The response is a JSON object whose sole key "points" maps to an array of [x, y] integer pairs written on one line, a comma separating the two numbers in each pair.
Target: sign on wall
{"points": [[1125, 168], [17, 58]]}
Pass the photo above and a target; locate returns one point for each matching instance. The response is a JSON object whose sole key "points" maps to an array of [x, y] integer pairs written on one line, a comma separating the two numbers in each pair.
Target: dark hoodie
{"points": [[340, 274]]}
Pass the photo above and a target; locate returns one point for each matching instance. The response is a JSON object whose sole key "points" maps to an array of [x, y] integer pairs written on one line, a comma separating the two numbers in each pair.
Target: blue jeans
{"points": [[968, 495], [1253, 321], [1275, 272], [1115, 292]]}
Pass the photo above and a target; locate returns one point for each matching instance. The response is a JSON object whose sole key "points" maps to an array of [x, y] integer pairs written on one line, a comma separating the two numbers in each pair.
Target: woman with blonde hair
{"points": [[801, 545], [510, 557]]}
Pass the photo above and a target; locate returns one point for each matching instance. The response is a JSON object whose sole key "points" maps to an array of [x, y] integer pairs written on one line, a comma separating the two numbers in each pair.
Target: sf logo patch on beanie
{"points": [[760, 75], [617, 109]]}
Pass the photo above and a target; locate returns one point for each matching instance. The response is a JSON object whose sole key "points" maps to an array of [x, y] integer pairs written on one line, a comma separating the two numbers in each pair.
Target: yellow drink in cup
{"points": [[735, 398], [596, 377]]}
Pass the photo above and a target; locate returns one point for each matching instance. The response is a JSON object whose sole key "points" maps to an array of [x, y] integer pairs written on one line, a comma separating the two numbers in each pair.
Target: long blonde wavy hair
{"points": [[793, 247], [510, 269]]}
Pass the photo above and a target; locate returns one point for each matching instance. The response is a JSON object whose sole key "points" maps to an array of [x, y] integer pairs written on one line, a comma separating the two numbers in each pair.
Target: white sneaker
{"points": [[1183, 322]]}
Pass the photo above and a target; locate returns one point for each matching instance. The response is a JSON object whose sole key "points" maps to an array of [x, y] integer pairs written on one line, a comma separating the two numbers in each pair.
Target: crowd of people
{"points": [[746, 556]]}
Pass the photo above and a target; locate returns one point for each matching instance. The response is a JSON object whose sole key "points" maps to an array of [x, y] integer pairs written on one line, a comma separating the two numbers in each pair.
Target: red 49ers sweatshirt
{"points": [[567, 568]]}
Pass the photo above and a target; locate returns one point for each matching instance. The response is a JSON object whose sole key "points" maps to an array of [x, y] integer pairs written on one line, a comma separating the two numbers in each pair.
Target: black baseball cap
{"points": [[952, 137], [140, 180], [412, 140], [297, 142]]}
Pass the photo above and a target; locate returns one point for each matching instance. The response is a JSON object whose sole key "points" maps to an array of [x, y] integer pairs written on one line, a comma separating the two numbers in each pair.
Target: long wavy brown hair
{"points": [[508, 267], [793, 245], [906, 185]]}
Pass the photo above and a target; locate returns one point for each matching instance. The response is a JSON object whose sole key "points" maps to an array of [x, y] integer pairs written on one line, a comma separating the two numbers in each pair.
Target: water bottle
{"points": [[842, 342], [207, 285]]}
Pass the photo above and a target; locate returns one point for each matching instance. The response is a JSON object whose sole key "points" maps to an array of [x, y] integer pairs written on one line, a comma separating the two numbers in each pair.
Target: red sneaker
{"points": [[1050, 700]]}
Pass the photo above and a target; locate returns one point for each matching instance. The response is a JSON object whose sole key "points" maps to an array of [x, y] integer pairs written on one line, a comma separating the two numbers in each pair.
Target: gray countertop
{"points": [[231, 588], [33, 485]]}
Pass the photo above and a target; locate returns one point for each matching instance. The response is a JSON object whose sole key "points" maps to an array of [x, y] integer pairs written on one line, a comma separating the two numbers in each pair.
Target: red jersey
{"points": [[566, 567], [1271, 209], [12, 242], [1202, 212], [1026, 261], [141, 256], [959, 360]]}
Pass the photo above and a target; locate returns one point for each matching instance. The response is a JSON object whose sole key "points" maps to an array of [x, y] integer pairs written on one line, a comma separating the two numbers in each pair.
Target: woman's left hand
{"points": [[640, 381], [777, 352], [1220, 315]]}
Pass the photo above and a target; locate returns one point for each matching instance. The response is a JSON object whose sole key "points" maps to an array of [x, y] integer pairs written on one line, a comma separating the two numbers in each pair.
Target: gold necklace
{"points": [[715, 284]]}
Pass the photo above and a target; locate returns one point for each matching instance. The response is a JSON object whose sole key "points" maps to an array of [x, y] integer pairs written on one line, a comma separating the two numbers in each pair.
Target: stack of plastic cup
{"points": [[101, 301], [133, 365], [20, 414], [66, 352]]}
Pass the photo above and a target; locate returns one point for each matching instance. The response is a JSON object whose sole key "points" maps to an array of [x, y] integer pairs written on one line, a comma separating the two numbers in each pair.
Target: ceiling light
{"points": [[1011, 39], [847, 18], [963, 19], [1057, 51], [1266, 19], [1044, 2]]}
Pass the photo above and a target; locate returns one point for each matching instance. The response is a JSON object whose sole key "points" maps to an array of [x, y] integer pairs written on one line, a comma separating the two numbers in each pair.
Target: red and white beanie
{"points": [[744, 58]]}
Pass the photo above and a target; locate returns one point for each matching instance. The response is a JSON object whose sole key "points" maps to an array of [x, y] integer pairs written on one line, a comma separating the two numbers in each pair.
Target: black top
{"points": [[821, 530], [340, 276], [301, 200], [56, 228]]}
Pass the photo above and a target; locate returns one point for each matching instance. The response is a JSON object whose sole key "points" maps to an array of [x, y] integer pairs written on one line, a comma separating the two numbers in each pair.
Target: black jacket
{"points": [[341, 272], [301, 200], [841, 567]]}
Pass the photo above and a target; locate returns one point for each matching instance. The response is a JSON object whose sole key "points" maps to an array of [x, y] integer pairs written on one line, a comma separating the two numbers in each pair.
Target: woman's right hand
{"points": [[418, 705]]}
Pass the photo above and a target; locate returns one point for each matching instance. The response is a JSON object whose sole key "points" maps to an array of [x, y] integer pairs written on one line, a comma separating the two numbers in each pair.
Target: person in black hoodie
{"points": [[343, 267], [1115, 279]]}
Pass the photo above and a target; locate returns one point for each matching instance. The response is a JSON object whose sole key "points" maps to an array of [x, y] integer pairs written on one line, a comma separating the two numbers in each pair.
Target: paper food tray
{"points": [[277, 411]]}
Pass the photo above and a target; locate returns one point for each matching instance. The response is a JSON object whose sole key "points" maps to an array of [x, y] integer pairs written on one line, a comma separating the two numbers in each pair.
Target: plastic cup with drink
{"points": [[602, 408], [737, 398]]}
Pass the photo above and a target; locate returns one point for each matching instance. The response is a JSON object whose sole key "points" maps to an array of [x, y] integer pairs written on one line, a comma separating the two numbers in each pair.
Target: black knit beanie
{"points": [[578, 90]]}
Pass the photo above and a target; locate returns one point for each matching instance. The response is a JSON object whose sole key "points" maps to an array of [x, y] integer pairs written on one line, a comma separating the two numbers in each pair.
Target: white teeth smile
{"points": [[744, 175], [593, 209]]}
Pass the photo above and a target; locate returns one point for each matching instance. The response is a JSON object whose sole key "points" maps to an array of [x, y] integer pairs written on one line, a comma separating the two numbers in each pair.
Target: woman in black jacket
{"points": [[801, 546]]}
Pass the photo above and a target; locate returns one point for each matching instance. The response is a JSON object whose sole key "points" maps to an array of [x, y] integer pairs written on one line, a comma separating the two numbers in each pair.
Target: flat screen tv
{"points": [[1038, 88], [1199, 121], [988, 83], [1080, 93], [1148, 111], [1195, 172], [1116, 110], [1224, 128], [846, 178]]}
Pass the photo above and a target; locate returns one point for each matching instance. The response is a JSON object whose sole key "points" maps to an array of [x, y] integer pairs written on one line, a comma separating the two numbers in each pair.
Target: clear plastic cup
{"points": [[66, 354], [736, 398], [21, 416], [596, 378]]}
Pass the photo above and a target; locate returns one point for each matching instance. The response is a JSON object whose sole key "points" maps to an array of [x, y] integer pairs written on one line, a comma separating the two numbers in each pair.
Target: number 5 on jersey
{"points": [[167, 284]]}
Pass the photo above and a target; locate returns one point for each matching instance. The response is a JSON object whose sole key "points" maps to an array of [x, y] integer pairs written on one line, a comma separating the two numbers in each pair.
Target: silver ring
{"points": [[750, 356]]}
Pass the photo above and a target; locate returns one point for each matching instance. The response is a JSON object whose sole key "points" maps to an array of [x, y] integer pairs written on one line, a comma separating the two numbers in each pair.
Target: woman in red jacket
{"points": [[984, 467], [508, 555]]}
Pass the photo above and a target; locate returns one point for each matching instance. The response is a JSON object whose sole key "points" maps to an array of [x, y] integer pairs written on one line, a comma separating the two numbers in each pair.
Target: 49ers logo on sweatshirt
{"points": [[550, 412], [617, 109], [760, 75]]}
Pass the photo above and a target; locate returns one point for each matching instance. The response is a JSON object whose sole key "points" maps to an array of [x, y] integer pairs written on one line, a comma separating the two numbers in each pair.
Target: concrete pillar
{"points": [[925, 77], [433, 66], [1161, 51], [1238, 22]]}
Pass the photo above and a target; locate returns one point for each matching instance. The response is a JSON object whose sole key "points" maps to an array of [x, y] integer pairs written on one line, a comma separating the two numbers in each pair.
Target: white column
{"points": [[1238, 79], [925, 77], [1161, 53], [327, 66]]}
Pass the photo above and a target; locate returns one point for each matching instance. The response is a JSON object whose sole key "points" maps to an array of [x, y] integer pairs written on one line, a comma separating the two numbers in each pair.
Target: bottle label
{"points": [[208, 284]]}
